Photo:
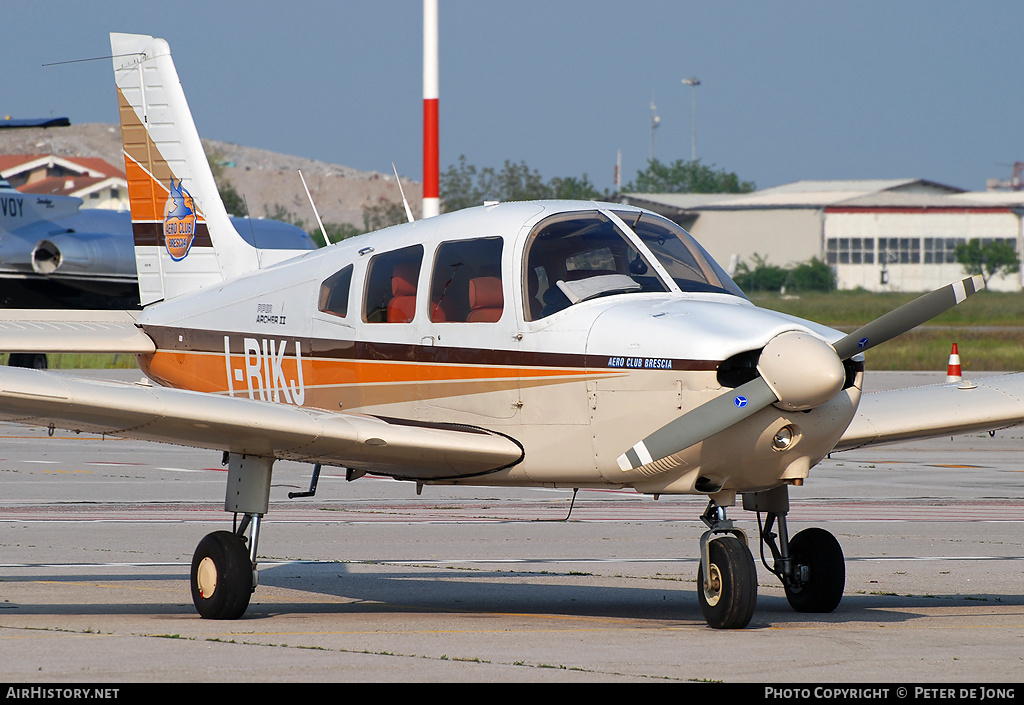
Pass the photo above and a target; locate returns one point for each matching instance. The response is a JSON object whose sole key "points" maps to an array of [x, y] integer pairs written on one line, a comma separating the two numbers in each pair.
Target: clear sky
{"points": [[789, 90]]}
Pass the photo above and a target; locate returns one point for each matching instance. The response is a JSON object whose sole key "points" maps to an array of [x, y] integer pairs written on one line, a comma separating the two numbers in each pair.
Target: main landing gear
{"points": [[223, 572], [223, 575], [810, 566]]}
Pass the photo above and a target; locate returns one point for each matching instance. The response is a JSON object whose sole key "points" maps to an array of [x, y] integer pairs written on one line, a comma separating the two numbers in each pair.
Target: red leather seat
{"points": [[485, 300], [402, 306]]}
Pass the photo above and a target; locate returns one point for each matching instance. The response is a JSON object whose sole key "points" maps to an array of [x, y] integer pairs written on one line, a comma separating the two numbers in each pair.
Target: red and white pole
{"points": [[431, 90]]}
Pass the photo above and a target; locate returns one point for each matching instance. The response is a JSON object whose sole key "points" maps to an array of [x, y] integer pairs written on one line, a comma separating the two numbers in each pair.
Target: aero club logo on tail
{"points": [[179, 221]]}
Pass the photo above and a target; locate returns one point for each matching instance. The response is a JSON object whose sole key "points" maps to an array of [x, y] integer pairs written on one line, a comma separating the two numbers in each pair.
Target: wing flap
{"points": [[57, 331], [936, 410], [240, 425]]}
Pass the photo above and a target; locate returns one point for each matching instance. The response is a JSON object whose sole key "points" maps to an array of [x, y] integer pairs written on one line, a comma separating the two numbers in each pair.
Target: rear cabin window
{"points": [[334, 293], [465, 285], [391, 284], [578, 257]]}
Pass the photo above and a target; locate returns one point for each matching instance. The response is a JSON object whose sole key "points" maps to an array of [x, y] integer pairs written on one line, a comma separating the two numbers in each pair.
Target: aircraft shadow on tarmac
{"points": [[525, 591], [384, 588]]}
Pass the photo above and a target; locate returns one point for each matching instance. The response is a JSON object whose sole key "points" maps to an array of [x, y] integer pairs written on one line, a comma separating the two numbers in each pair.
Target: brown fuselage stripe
{"points": [[188, 340]]}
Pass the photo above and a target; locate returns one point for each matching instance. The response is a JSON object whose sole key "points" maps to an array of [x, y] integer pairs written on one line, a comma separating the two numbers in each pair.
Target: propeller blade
{"points": [[697, 424], [907, 316]]}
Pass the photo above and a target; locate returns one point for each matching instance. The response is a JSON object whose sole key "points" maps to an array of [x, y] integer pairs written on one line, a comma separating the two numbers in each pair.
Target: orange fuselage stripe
{"points": [[207, 372]]}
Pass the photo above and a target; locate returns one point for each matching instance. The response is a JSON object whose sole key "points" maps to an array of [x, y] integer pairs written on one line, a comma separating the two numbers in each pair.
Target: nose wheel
{"points": [[727, 576], [728, 594]]}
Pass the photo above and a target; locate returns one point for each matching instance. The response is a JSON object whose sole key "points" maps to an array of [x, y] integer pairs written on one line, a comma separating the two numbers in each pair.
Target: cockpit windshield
{"points": [[579, 256], [687, 263]]}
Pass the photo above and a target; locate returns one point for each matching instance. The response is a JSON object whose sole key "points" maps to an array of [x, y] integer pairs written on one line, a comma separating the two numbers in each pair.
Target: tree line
{"points": [[463, 185]]}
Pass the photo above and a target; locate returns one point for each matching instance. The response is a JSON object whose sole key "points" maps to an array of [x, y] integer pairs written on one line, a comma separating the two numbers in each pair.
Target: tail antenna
{"points": [[408, 211], [327, 240]]}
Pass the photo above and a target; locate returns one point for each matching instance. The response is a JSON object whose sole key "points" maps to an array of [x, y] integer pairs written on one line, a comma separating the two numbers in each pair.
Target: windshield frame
{"points": [[715, 279]]}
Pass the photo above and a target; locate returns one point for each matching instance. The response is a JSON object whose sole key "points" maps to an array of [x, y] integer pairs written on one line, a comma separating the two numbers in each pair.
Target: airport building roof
{"points": [[868, 193], [25, 168], [95, 180]]}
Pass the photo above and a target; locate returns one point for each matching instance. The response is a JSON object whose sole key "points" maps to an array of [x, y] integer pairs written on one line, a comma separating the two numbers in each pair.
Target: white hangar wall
{"points": [[781, 236], [894, 249]]}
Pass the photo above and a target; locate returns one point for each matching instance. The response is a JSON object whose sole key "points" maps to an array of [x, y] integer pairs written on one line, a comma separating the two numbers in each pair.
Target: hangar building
{"points": [[880, 235]]}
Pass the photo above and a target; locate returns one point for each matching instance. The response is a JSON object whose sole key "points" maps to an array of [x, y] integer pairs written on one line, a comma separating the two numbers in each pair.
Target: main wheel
{"points": [[221, 576], [820, 570], [728, 599]]}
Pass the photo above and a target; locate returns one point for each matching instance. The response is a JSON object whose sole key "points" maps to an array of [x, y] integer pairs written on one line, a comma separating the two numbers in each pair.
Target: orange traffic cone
{"points": [[953, 373]]}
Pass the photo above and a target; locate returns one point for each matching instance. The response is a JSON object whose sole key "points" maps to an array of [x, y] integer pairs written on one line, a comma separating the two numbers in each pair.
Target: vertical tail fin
{"points": [[184, 239]]}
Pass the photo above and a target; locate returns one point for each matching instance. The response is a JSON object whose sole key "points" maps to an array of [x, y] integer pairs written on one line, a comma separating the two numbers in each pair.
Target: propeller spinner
{"points": [[796, 371]]}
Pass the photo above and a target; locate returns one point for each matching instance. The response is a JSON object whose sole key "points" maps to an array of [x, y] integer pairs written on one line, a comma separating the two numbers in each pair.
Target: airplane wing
{"points": [[403, 449], [936, 410], [56, 331]]}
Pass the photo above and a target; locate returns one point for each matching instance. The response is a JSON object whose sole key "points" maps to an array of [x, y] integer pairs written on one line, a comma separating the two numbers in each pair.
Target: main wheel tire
{"points": [[822, 555], [221, 576], [727, 601]]}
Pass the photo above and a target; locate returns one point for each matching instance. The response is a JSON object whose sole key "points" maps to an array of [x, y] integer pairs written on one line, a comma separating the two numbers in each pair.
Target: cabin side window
{"points": [[466, 282], [391, 283], [334, 292]]}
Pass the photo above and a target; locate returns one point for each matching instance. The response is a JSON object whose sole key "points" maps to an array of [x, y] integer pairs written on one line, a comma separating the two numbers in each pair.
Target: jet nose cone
{"points": [[803, 371]]}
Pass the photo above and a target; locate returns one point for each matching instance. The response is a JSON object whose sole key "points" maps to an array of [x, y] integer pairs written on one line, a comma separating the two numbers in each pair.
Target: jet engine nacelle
{"points": [[72, 254]]}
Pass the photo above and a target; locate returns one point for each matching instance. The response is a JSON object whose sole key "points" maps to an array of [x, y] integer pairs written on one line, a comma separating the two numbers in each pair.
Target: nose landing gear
{"points": [[727, 576]]}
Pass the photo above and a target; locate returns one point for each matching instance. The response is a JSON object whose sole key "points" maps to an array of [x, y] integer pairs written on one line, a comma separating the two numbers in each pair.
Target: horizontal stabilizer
{"points": [[60, 331]]}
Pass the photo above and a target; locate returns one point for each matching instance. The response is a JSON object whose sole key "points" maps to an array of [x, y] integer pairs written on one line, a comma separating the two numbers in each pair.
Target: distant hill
{"points": [[264, 178]]}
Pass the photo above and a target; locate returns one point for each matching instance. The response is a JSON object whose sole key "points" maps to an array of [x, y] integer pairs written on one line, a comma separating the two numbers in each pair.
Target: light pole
{"points": [[693, 83], [655, 121]]}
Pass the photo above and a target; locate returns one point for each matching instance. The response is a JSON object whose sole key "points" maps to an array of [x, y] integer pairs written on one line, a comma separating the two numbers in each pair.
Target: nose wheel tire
{"points": [[221, 576], [728, 598], [820, 570]]}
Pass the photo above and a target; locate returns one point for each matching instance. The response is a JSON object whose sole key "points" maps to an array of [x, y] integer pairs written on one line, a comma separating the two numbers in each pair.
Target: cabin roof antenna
{"points": [[327, 240]]}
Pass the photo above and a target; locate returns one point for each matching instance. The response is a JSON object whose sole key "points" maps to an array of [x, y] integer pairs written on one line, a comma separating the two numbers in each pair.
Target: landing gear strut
{"points": [[811, 565], [727, 576], [223, 575]]}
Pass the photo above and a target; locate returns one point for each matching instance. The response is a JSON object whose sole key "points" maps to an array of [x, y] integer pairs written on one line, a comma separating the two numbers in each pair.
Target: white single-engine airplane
{"points": [[546, 344]]}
